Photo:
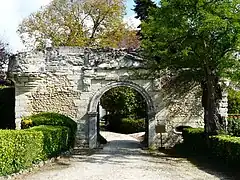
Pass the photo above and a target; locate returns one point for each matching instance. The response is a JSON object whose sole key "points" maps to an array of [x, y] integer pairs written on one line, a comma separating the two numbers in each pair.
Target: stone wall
{"points": [[65, 80]]}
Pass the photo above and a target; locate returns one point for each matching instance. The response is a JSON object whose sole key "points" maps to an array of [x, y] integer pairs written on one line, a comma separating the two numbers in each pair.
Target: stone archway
{"points": [[71, 81], [93, 105]]}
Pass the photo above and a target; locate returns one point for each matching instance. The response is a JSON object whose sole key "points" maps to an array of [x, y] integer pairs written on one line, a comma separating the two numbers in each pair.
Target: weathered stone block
{"points": [[23, 79], [112, 77]]}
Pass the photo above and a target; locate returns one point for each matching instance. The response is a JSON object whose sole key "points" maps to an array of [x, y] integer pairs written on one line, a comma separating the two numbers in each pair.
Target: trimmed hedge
{"points": [[129, 125], [195, 140], [55, 139], [234, 125], [113, 122], [54, 119], [19, 149], [226, 148], [223, 147], [124, 125]]}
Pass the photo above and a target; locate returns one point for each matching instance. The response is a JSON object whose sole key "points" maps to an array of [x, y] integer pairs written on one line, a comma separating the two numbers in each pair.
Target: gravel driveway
{"points": [[121, 159]]}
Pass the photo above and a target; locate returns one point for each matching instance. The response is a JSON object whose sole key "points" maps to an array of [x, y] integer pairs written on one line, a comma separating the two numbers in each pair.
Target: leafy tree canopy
{"points": [[125, 102], [142, 8], [76, 23], [197, 40]]}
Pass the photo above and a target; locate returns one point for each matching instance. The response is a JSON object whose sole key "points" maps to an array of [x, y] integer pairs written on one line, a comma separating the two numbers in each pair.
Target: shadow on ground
{"points": [[170, 162], [206, 163], [127, 151], [173, 162], [122, 152]]}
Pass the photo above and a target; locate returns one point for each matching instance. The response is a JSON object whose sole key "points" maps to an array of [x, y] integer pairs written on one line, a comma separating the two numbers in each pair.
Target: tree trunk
{"points": [[211, 95], [211, 126]]}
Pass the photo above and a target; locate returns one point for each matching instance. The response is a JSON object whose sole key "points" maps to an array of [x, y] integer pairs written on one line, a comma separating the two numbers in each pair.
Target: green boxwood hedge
{"points": [[55, 138], [113, 122], [124, 125], [19, 149], [54, 119], [194, 139], [234, 124], [222, 147], [226, 148], [129, 125]]}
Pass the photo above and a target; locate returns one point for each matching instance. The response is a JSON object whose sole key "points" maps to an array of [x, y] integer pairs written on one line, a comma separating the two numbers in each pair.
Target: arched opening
{"points": [[7, 104], [93, 113], [122, 110]]}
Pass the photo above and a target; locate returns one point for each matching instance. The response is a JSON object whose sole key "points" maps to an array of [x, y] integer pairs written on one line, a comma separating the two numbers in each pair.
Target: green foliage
{"points": [[56, 139], [234, 125], [124, 125], [125, 106], [55, 119], [113, 122], [222, 147], [66, 23], [198, 41], [197, 35], [195, 139], [226, 148], [2, 87], [124, 102], [19, 149], [234, 112], [233, 101], [26, 123], [129, 125], [142, 8]]}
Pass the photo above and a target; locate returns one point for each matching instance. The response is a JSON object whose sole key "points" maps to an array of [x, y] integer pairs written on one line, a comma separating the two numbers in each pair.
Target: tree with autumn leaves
{"points": [[84, 23]]}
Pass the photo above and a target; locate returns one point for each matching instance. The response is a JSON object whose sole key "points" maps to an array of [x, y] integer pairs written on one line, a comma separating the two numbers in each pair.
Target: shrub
{"points": [[26, 123], [223, 147], [233, 101], [55, 139], [124, 101], [234, 125], [234, 112], [129, 125], [124, 125], [19, 149], [54, 119], [226, 148], [194, 140], [113, 122]]}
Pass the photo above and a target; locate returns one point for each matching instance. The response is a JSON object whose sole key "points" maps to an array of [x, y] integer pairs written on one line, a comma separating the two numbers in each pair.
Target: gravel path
{"points": [[121, 159]]}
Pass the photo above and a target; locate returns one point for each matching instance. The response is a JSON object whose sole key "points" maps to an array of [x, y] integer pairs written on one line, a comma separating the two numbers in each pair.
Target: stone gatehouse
{"points": [[71, 81]]}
